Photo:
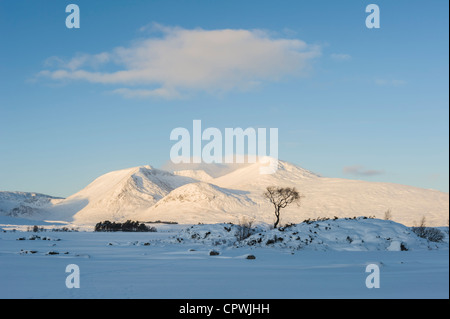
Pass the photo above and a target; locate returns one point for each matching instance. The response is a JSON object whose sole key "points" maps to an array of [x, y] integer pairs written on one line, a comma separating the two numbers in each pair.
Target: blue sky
{"points": [[360, 103]]}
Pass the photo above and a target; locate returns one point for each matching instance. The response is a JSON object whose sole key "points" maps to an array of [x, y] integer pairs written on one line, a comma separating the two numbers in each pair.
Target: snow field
{"points": [[158, 265]]}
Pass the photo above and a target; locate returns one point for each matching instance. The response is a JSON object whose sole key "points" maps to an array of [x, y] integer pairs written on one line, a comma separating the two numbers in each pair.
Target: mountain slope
{"points": [[118, 195], [199, 202], [329, 197], [25, 205], [200, 175], [249, 177]]}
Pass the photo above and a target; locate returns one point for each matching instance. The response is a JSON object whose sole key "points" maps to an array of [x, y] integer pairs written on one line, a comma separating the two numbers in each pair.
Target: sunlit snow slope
{"points": [[220, 193]]}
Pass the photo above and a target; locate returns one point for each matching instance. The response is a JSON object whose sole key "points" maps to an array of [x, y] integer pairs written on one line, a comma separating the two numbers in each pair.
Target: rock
{"points": [[214, 253], [394, 246]]}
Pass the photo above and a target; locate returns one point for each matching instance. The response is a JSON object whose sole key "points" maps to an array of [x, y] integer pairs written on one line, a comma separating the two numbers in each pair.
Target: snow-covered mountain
{"points": [[26, 205], [119, 195], [220, 193], [323, 197]]}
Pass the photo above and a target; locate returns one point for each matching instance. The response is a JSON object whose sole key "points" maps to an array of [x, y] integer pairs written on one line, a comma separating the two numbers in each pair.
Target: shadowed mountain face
{"points": [[219, 193], [25, 205]]}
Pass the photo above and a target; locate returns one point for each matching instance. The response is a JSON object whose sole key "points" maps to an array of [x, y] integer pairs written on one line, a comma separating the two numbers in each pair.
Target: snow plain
{"points": [[175, 262]]}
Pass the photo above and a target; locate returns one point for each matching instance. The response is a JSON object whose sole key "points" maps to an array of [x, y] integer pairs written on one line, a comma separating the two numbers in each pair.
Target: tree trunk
{"points": [[277, 214]]}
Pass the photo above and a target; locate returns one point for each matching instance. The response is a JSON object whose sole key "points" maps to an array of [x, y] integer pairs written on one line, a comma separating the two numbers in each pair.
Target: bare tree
{"points": [[281, 197], [388, 214], [245, 228], [421, 229]]}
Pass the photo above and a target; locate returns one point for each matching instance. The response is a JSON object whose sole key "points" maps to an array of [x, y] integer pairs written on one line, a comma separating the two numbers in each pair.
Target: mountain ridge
{"points": [[195, 196]]}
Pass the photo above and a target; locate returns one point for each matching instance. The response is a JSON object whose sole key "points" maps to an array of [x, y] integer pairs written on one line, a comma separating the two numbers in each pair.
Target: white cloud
{"points": [[182, 60]]}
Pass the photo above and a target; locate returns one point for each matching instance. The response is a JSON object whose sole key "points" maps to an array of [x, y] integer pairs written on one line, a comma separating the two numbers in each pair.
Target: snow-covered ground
{"points": [[325, 259]]}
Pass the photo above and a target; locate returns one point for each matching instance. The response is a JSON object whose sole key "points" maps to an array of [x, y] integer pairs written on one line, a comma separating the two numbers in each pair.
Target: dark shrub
{"points": [[429, 233], [128, 226]]}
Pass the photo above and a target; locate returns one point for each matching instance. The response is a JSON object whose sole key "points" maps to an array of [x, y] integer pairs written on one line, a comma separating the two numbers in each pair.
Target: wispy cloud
{"points": [[358, 170], [391, 82], [80, 60], [180, 60], [144, 93], [340, 56]]}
